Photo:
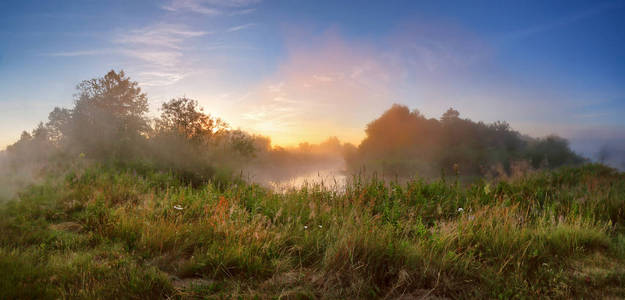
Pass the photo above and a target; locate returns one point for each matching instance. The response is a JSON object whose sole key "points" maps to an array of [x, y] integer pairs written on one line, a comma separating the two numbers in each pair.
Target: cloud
{"points": [[161, 35], [329, 85], [232, 3], [332, 86], [562, 22], [240, 27], [160, 50], [324, 78], [241, 12], [163, 58], [191, 5], [157, 51], [160, 78], [78, 53], [210, 7], [435, 49], [320, 90]]}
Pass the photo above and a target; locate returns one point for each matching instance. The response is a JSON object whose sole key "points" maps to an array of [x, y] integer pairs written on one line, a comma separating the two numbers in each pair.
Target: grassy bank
{"points": [[105, 232]]}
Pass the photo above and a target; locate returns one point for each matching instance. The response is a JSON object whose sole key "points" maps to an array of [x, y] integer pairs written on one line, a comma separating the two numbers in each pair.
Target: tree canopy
{"points": [[405, 142]]}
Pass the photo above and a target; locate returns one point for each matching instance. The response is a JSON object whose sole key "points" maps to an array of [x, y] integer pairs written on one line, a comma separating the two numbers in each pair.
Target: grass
{"points": [[109, 232]]}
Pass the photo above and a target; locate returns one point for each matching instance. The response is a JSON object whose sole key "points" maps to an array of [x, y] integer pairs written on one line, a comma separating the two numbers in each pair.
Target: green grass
{"points": [[106, 232]]}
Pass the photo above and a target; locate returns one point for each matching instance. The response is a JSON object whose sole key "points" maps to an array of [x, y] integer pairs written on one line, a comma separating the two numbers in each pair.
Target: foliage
{"points": [[107, 231], [185, 118], [123, 207], [405, 142], [108, 118], [108, 123]]}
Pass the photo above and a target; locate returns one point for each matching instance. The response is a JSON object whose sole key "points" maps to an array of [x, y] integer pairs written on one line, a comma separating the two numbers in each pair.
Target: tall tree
{"points": [[184, 117], [58, 124], [109, 115]]}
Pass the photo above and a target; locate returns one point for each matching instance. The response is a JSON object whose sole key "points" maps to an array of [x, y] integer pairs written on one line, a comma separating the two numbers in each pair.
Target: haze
{"points": [[301, 71], [312, 149]]}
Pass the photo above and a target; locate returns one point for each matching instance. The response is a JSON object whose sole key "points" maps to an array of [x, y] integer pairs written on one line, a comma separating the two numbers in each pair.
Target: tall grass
{"points": [[106, 232]]}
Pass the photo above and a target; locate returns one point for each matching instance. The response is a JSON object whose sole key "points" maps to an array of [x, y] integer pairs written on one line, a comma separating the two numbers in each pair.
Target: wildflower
{"points": [[305, 227], [487, 189], [178, 207], [460, 209], [320, 226]]}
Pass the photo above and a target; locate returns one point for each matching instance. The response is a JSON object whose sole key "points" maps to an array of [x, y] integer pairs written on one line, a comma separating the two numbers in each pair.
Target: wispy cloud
{"points": [[162, 35], [163, 58], [160, 48], [191, 5], [210, 7], [157, 51], [563, 21], [314, 91], [155, 78], [230, 3], [78, 53], [241, 12], [233, 3], [240, 27]]}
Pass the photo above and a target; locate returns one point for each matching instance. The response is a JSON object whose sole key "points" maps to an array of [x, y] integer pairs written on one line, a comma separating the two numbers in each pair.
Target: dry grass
{"points": [[108, 232]]}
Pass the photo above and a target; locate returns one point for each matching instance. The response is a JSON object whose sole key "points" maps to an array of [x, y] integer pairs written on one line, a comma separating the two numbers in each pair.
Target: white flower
{"points": [[320, 226], [178, 207], [305, 227], [460, 209]]}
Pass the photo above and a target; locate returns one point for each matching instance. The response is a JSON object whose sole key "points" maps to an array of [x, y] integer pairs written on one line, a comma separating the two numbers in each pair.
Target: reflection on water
{"points": [[329, 178], [329, 173]]}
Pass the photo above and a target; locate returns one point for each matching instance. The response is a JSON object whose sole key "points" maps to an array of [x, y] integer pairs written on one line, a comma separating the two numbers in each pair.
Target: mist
{"points": [[284, 167], [22, 165], [109, 125], [612, 154]]}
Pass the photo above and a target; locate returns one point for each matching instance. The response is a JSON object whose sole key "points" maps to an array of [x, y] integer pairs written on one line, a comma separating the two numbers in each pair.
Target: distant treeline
{"points": [[403, 142], [109, 123]]}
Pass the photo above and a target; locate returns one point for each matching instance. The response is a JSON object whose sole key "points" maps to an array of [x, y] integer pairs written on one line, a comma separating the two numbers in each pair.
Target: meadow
{"points": [[110, 231], [104, 202]]}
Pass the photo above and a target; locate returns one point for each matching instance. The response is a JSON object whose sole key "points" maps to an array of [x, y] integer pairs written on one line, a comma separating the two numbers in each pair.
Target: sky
{"points": [[298, 70]]}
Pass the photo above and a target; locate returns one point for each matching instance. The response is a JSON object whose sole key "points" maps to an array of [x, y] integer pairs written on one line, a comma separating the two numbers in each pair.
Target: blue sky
{"points": [[305, 70]]}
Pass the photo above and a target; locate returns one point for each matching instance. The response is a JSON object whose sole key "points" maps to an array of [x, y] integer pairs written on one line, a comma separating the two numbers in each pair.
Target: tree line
{"points": [[109, 123], [405, 142]]}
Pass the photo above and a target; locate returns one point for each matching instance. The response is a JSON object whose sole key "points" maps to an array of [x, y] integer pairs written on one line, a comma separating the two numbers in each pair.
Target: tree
{"points": [[551, 151], [241, 143], [58, 124], [190, 142], [21, 145], [31, 148], [395, 131], [114, 93], [109, 116], [183, 117], [41, 133], [404, 142], [450, 115]]}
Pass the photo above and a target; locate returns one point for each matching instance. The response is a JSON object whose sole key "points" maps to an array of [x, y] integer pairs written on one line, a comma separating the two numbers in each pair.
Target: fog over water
{"points": [[109, 124], [331, 172], [333, 178]]}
